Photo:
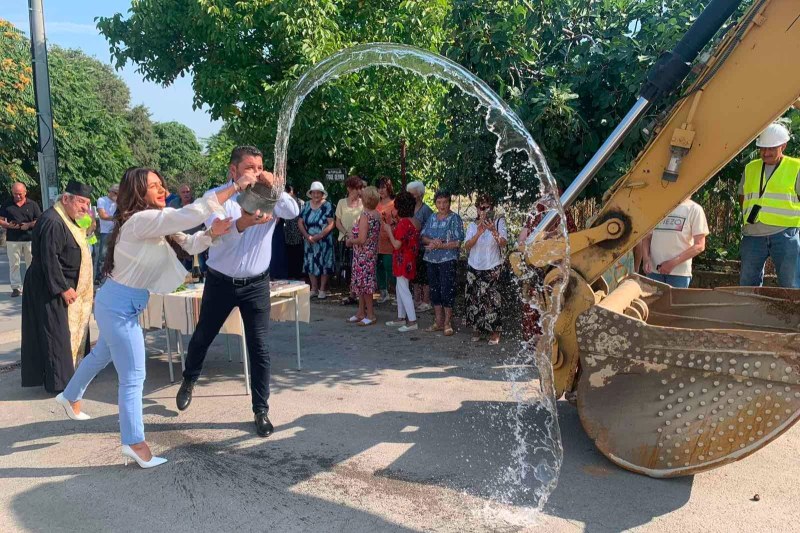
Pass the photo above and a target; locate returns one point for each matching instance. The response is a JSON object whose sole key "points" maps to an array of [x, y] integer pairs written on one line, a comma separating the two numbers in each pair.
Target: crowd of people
{"points": [[147, 241], [388, 241]]}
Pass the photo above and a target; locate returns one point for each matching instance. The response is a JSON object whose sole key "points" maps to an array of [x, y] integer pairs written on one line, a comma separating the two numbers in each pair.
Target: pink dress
{"points": [[365, 281]]}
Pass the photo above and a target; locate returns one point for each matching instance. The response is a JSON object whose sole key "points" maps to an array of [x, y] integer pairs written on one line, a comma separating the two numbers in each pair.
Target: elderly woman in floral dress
{"points": [[364, 240]]}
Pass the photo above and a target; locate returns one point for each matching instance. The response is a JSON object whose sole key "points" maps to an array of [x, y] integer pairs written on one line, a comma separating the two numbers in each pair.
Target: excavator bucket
{"points": [[678, 381]]}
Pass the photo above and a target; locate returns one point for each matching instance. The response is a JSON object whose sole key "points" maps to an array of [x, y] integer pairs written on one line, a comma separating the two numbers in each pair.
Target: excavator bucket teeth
{"points": [[666, 401]]}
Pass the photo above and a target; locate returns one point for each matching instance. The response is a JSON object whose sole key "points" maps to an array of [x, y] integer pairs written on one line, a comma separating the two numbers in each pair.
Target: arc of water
{"points": [[511, 136]]}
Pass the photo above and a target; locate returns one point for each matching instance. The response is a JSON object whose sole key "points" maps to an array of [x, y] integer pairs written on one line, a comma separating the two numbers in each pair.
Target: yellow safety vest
{"points": [[777, 195]]}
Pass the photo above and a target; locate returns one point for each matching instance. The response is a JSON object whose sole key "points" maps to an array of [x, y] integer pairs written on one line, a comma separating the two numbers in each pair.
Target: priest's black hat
{"points": [[79, 189]]}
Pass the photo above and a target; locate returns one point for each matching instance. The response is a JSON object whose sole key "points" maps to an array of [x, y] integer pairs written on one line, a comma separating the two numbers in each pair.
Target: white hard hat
{"points": [[775, 135], [317, 186]]}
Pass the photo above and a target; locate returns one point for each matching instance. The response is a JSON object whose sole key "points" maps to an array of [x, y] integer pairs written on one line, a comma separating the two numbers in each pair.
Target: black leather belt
{"points": [[238, 282]]}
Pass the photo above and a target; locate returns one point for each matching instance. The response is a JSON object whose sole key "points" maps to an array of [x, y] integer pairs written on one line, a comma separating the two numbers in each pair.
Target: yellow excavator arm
{"points": [[671, 382], [751, 79]]}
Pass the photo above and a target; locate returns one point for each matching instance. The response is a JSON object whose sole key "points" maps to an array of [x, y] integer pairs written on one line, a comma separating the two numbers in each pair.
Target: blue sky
{"points": [[70, 23]]}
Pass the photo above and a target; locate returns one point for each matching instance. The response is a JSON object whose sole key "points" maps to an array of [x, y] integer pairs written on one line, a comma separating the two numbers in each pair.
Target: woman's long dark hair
{"points": [[131, 200]]}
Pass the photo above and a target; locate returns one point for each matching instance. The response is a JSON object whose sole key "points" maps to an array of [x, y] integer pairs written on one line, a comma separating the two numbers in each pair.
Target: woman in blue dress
{"points": [[316, 222]]}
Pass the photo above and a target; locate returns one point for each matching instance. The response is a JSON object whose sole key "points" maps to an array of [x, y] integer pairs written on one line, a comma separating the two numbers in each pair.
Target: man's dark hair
{"points": [[240, 152], [288, 188]]}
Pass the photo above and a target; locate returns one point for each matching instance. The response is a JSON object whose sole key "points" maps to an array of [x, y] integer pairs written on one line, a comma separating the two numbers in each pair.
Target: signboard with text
{"points": [[335, 174]]}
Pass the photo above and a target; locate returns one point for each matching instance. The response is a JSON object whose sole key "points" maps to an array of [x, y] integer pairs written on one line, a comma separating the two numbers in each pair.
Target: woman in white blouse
{"points": [[485, 241], [142, 258]]}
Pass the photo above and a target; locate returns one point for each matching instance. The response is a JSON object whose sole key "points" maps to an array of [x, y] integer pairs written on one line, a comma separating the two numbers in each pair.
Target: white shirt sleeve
{"points": [[286, 208], [193, 244], [162, 222], [502, 229]]}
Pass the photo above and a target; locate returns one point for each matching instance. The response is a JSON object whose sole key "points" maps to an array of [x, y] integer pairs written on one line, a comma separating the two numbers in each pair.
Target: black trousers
{"points": [[220, 296]]}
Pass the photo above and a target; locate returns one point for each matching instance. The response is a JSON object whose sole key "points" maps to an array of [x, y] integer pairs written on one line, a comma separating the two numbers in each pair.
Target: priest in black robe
{"points": [[57, 293]]}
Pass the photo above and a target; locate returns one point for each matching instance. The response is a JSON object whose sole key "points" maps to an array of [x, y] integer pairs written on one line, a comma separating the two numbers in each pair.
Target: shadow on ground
{"points": [[220, 475]]}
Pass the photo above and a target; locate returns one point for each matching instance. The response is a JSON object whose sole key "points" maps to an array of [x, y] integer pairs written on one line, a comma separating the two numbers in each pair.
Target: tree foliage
{"points": [[179, 150], [244, 55], [569, 68], [88, 103], [145, 144], [17, 114], [96, 133]]}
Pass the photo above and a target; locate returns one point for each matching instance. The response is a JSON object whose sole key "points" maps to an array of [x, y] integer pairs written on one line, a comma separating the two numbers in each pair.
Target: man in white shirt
{"points": [[238, 276], [669, 249], [106, 209]]}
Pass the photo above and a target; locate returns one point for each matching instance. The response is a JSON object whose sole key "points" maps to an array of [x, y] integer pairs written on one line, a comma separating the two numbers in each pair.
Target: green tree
{"points": [[91, 140], [97, 136], [179, 150], [89, 126], [17, 113], [110, 89], [244, 55], [218, 153], [144, 143], [570, 69]]}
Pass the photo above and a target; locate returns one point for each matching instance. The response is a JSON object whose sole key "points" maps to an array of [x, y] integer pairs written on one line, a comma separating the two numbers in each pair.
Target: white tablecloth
{"points": [[181, 310]]}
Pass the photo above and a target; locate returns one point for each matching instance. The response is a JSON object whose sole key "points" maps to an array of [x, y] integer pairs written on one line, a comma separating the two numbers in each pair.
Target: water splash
{"points": [[537, 453]]}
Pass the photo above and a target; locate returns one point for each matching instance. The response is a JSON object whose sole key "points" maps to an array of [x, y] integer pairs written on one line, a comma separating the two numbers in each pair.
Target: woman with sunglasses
{"points": [[485, 241]]}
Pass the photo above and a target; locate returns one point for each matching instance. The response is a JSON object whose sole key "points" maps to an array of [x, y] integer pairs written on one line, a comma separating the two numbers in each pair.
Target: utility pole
{"points": [[48, 176], [403, 163]]}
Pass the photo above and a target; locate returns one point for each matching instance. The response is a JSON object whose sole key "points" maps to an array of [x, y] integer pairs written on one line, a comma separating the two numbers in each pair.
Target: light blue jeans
{"points": [[783, 248], [117, 308]]}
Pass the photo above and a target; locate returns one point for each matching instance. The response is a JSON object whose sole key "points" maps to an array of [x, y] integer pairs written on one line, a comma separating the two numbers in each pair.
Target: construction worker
{"points": [[770, 197]]}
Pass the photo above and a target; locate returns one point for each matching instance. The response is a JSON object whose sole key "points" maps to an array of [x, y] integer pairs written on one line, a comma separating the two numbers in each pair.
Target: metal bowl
{"points": [[258, 197]]}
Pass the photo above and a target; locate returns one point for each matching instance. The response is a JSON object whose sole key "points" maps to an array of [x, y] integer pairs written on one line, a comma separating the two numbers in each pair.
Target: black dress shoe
{"points": [[16, 293], [264, 427], [184, 396]]}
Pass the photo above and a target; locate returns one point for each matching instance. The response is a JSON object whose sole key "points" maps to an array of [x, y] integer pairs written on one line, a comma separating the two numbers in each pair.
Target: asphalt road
{"points": [[380, 432]]}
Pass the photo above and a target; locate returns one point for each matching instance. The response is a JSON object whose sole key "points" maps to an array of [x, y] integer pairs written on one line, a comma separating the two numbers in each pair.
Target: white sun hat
{"points": [[316, 186]]}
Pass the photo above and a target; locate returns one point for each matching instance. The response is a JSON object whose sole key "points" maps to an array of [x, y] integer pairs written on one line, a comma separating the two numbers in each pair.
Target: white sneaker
{"points": [[412, 327], [424, 307], [384, 297], [322, 295], [395, 323]]}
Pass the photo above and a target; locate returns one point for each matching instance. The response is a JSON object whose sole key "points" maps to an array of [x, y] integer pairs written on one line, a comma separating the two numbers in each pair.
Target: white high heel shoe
{"points": [[68, 408], [128, 453]]}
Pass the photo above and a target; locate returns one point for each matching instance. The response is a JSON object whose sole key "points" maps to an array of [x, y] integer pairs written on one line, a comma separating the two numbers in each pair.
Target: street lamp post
{"points": [[48, 169]]}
